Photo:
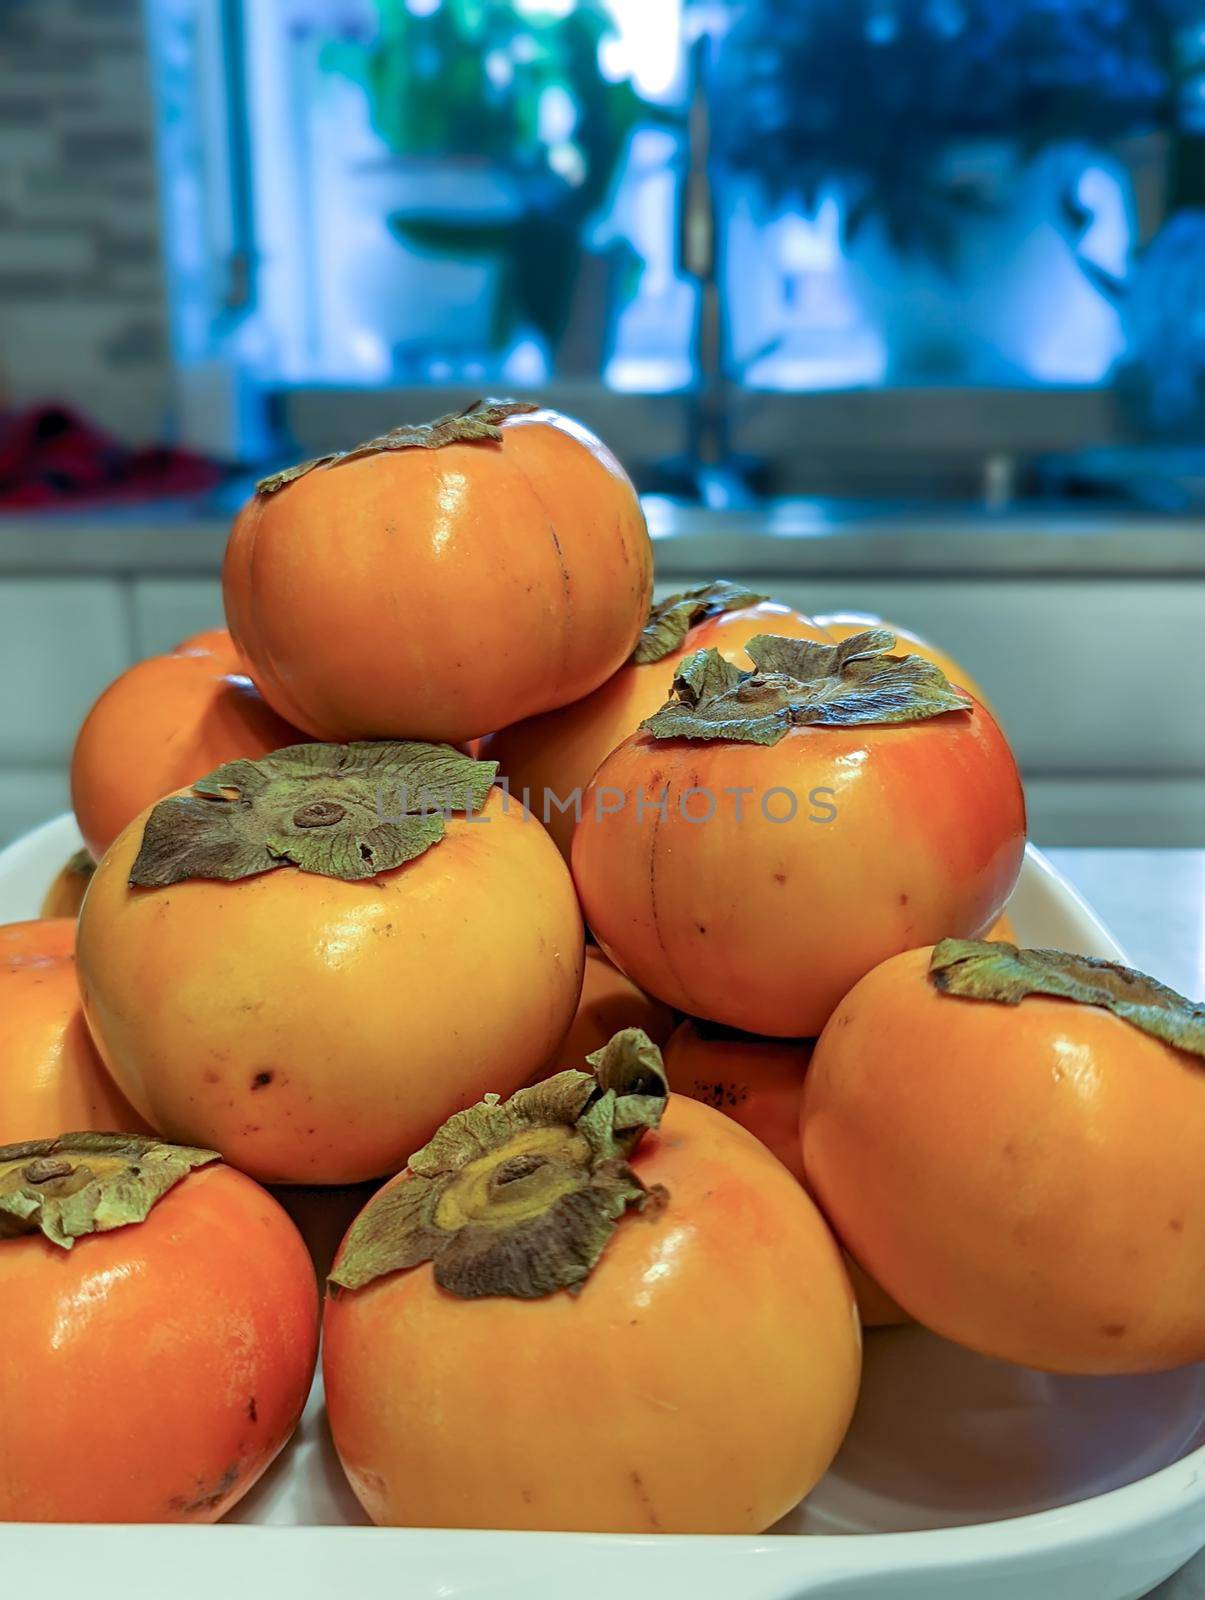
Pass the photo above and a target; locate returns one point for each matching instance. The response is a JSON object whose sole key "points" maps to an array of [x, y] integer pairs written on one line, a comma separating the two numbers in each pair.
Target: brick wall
{"points": [[82, 310]]}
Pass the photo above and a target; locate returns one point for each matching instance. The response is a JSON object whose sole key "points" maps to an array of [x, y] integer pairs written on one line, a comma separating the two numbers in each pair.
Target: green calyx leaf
{"points": [[797, 683], [81, 864], [974, 969], [344, 811], [476, 423], [519, 1197], [83, 1183], [673, 618]]}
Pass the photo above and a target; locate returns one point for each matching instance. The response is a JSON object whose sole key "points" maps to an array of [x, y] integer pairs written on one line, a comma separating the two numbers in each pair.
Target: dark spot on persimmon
{"points": [[903, 899], [210, 1076], [1176, 1225], [252, 1412], [1113, 1330], [261, 1080], [701, 927]]}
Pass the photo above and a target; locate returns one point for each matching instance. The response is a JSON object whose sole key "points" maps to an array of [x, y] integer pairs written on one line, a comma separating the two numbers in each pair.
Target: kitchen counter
{"points": [[792, 537]]}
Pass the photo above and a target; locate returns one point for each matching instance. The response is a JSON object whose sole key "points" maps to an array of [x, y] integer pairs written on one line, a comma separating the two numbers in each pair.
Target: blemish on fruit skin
{"points": [[1176, 1225], [210, 1076], [1113, 1330], [261, 1080], [208, 1499], [252, 1412], [701, 927], [638, 1485], [780, 877], [903, 899]]}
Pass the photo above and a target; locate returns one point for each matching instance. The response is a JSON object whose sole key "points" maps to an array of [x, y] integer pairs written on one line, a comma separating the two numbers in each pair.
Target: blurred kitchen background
{"points": [[893, 305]]}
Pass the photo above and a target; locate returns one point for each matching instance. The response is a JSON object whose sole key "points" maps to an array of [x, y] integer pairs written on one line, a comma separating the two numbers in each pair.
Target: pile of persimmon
{"points": [[340, 864]]}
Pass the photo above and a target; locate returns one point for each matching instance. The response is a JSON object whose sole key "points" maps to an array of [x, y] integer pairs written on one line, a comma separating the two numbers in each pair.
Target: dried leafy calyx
{"points": [[341, 810], [84, 1183], [519, 1197], [973, 969], [477, 422], [673, 618], [796, 682]]}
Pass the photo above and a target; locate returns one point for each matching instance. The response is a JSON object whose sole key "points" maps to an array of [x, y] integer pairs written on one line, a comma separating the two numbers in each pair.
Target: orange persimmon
{"points": [[551, 758], [759, 1083], [1011, 1142], [163, 1318], [486, 567], [68, 886], [609, 1003], [313, 968], [770, 836], [700, 1378], [844, 624], [163, 723], [51, 1077]]}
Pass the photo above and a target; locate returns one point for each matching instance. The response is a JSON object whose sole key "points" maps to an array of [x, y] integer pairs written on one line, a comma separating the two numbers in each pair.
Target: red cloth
{"points": [[51, 456]]}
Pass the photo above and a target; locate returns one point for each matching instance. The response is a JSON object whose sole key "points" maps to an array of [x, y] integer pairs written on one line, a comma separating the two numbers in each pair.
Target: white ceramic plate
{"points": [[975, 1478]]}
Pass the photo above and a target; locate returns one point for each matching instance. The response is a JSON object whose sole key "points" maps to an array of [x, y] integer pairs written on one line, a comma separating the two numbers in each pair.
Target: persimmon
{"points": [[487, 567], [845, 624], [700, 1377], [69, 885], [551, 758], [609, 1003], [769, 836], [309, 961], [1011, 1141], [163, 1321], [51, 1077], [1002, 929], [215, 642], [162, 723], [759, 1083]]}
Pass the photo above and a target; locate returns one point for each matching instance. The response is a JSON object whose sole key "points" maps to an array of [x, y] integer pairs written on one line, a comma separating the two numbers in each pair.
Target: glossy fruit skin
{"points": [[165, 723], [842, 624], [700, 1382], [558, 753], [51, 1078], [152, 1373], [609, 1002], [470, 586], [764, 925], [759, 1084], [316, 1031], [1027, 1177], [1002, 929]]}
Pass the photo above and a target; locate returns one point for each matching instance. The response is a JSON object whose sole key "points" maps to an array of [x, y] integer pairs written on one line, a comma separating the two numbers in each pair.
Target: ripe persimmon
{"points": [[844, 624], [770, 836], [307, 963], [488, 566], [609, 1003], [759, 1083], [700, 1377], [550, 759], [1011, 1141], [51, 1077], [68, 886], [164, 1318], [162, 723]]}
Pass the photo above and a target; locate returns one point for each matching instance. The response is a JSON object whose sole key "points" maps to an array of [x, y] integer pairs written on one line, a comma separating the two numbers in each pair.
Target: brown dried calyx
{"points": [[671, 619], [477, 422], [519, 1197], [974, 969], [83, 1183], [798, 682], [344, 811]]}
